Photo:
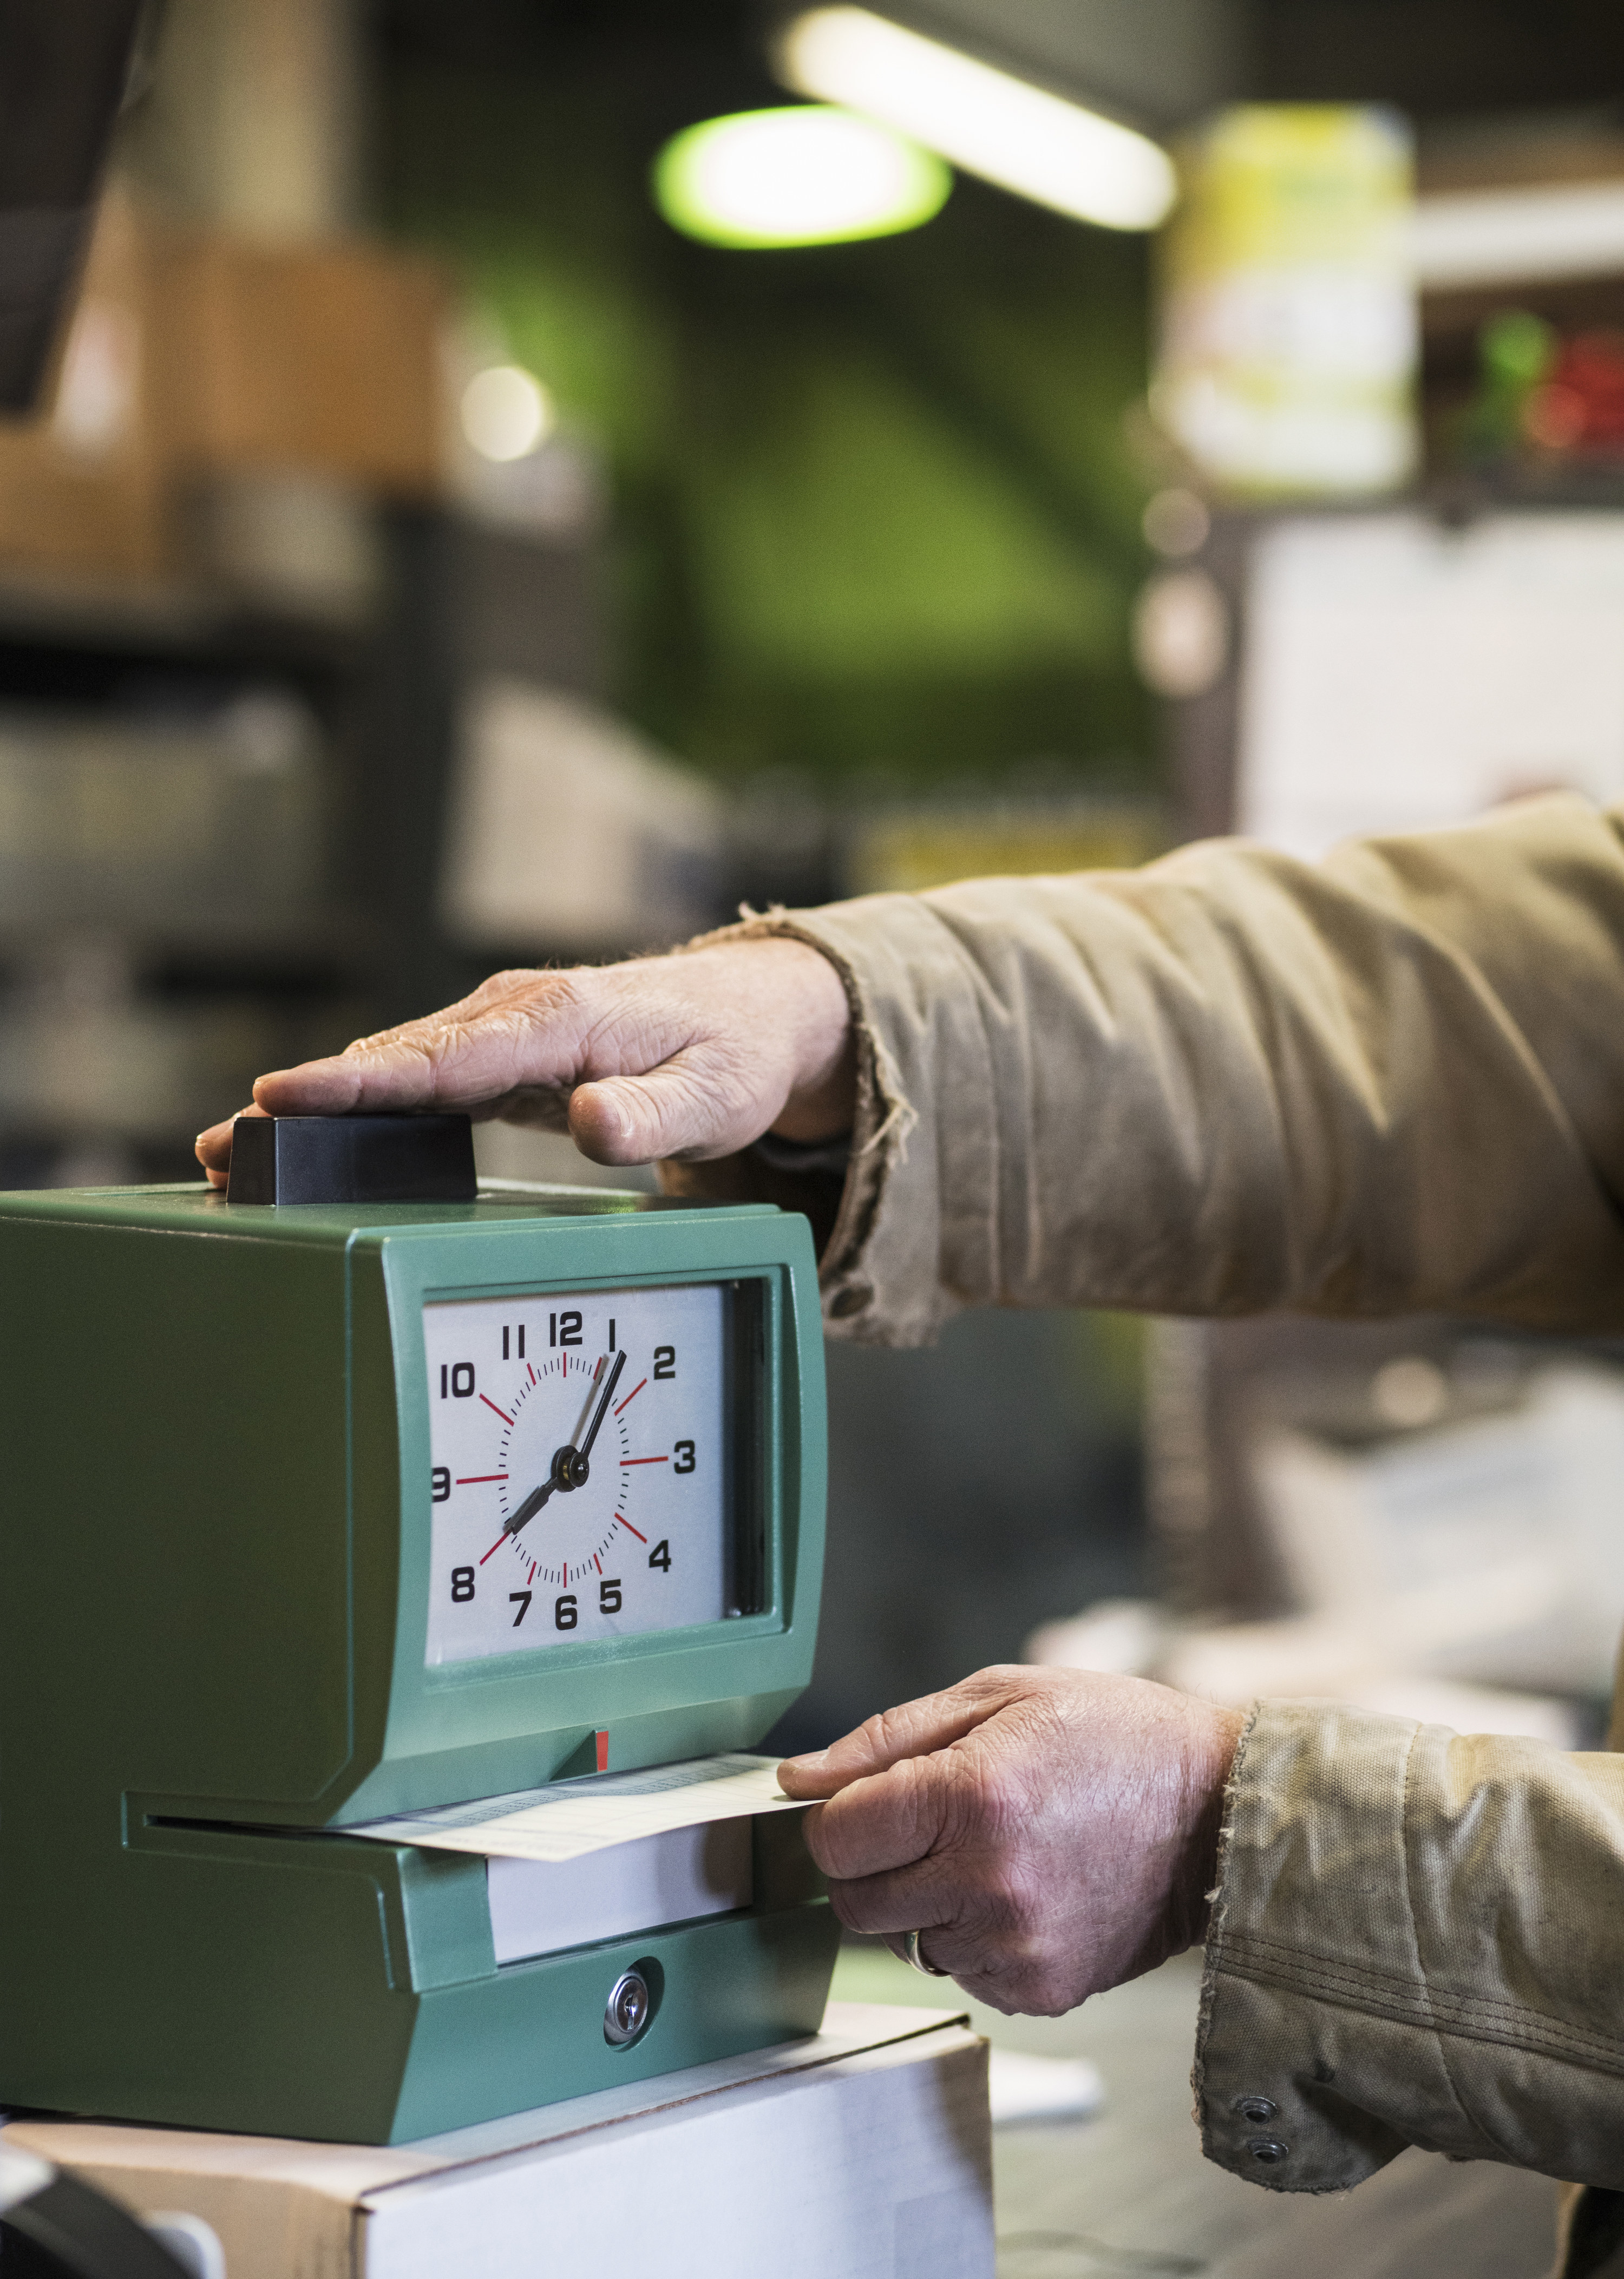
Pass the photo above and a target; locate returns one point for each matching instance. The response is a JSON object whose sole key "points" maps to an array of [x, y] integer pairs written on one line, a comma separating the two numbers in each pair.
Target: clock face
{"points": [[580, 1466]]}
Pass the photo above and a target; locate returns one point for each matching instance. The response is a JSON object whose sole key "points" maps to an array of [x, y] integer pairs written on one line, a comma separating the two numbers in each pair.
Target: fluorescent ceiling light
{"points": [[807, 175], [990, 124], [1507, 237]]}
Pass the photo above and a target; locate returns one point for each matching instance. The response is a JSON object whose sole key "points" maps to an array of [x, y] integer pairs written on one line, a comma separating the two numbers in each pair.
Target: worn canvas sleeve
{"points": [[1419, 1940], [1233, 1081]]}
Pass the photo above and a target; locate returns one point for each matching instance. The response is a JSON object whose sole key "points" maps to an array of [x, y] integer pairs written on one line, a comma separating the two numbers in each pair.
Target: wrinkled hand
{"points": [[1052, 1832], [693, 1055]]}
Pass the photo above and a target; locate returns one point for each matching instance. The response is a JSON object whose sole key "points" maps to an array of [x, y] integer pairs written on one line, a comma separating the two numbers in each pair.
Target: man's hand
{"points": [[692, 1056], [1050, 1832]]}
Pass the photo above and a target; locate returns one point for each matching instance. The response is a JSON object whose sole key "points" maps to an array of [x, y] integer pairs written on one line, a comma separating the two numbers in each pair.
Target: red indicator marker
{"points": [[631, 1396], [478, 1479], [626, 1524], [532, 1571], [530, 1366], [502, 1413], [603, 1753], [626, 1461], [494, 1548], [597, 1562]]}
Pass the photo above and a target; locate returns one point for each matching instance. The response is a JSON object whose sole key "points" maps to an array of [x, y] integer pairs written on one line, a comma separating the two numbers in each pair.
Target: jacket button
{"points": [[1268, 2149], [1256, 2108], [854, 1300]]}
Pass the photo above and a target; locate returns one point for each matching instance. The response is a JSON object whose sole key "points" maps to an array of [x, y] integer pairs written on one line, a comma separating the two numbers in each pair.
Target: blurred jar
{"points": [[1289, 332]]}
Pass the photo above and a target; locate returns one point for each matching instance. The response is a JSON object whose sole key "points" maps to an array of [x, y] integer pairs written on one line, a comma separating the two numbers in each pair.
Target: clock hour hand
{"points": [[533, 1501], [570, 1467]]}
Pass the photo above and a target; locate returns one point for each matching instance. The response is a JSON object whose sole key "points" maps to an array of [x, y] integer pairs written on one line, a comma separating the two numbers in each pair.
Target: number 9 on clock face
{"points": [[584, 1460]]}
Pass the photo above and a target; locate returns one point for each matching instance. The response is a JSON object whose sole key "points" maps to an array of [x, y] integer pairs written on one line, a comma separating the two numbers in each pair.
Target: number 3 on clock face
{"points": [[578, 1475]]}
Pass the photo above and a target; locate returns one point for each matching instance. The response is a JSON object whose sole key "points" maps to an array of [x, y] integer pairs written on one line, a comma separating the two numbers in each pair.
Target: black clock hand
{"points": [[569, 1470], [603, 1408], [533, 1503]]}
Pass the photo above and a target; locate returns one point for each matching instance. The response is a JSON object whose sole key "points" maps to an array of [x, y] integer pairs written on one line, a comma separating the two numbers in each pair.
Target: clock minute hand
{"points": [[603, 1408], [570, 1464]]}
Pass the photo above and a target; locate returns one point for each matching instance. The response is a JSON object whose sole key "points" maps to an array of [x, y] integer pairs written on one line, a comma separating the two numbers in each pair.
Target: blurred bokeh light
{"points": [[807, 175]]}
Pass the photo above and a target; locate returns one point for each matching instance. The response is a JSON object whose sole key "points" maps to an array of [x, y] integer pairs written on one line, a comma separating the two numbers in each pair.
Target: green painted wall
{"points": [[876, 515]]}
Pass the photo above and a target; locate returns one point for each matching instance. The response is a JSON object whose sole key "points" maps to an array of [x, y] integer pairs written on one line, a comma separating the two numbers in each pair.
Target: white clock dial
{"points": [[579, 1467]]}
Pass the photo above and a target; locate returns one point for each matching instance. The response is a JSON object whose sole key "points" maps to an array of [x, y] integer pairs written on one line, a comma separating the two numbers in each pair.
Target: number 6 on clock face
{"points": [[580, 1466]]}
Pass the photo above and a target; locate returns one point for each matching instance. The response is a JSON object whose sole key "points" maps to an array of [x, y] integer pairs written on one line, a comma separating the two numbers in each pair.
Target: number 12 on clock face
{"points": [[579, 1467]]}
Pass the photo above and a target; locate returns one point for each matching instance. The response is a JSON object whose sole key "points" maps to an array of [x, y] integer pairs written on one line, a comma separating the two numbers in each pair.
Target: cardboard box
{"points": [[318, 358], [84, 487], [864, 2150], [191, 357]]}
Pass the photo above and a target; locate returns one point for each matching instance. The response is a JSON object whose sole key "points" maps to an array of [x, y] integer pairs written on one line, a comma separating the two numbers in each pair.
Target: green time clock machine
{"points": [[354, 1492]]}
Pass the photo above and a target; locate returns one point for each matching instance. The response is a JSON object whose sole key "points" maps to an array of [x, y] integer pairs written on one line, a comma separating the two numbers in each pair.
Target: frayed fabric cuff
{"points": [[1309, 1910], [877, 1143]]}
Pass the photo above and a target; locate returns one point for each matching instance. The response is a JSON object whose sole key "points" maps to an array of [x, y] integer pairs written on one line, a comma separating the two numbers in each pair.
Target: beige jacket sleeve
{"points": [[1418, 1939], [1231, 1081]]}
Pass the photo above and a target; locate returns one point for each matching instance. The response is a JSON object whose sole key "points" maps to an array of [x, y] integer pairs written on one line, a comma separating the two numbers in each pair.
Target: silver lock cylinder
{"points": [[628, 2009]]}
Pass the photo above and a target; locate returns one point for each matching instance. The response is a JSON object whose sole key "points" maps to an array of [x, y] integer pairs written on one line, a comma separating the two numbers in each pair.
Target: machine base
{"points": [[331, 1989]]}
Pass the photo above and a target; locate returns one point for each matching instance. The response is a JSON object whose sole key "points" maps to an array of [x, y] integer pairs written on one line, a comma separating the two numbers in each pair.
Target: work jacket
{"points": [[1387, 1083]]}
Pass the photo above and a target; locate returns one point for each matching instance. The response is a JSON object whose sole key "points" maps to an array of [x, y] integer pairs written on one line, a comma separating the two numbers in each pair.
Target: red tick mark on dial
{"points": [[491, 1405]]}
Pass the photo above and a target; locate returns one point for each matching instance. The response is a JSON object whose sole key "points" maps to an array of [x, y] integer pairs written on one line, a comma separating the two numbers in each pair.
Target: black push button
{"points": [[351, 1159]]}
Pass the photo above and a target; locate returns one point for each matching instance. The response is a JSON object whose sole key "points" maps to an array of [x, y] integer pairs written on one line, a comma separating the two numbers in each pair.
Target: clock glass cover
{"points": [[587, 1462]]}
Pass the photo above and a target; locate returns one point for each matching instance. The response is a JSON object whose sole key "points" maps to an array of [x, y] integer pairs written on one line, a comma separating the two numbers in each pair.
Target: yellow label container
{"points": [[1288, 350]]}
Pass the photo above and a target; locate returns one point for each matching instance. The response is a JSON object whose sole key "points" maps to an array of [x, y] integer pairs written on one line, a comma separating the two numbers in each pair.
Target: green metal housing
{"points": [[214, 1543]]}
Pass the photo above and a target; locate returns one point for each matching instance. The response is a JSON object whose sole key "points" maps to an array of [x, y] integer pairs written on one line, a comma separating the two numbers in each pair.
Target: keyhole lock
{"points": [[628, 2009]]}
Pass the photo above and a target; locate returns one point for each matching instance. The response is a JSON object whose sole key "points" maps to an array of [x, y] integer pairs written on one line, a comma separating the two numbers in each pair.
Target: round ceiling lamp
{"points": [[805, 175], [507, 413]]}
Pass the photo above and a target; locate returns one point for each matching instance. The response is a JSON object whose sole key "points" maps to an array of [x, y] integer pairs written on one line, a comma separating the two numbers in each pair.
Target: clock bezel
{"points": [[747, 1550], [486, 1726]]}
